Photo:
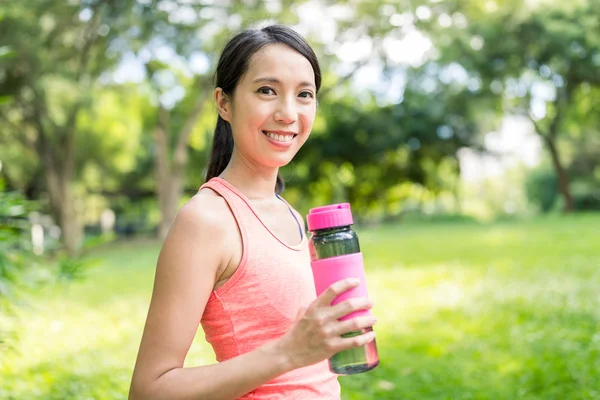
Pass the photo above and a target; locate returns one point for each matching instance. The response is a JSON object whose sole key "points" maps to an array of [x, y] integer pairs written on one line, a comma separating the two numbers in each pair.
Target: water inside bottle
{"points": [[355, 360]]}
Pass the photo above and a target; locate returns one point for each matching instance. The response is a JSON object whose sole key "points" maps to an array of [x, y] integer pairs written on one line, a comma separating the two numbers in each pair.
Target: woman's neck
{"points": [[255, 183]]}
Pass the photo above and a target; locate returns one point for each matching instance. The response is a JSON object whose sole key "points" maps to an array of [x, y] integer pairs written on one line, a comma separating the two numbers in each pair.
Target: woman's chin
{"points": [[278, 162]]}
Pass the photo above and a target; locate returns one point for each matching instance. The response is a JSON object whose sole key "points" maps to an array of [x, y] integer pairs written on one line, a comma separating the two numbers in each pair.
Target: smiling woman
{"points": [[274, 100], [236, 259], [265, 68]]}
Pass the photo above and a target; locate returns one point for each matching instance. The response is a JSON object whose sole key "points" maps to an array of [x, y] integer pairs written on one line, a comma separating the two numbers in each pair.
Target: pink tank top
{"points": [[261, 300]]}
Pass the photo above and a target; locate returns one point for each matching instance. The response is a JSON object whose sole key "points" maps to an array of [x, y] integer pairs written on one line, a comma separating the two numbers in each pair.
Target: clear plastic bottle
{"points": [[335, 255]]}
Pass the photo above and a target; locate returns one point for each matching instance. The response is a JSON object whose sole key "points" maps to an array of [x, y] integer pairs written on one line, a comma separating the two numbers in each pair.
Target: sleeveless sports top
{"points": [[259, 302]]}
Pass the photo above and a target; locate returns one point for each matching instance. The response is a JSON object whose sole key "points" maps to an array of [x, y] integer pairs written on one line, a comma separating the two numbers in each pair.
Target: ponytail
{"points": [[221, 152], [222, 149]]}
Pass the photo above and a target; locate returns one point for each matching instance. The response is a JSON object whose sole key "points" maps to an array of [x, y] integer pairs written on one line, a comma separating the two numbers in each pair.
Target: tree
{"points": [[60, 51], [365, 153], [533, 60]]}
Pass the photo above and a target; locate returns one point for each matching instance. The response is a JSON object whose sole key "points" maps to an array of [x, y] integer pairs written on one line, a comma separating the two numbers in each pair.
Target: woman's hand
{"points": [[316, 332]]}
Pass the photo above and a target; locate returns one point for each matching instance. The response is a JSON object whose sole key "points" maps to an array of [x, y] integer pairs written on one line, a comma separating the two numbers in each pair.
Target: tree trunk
{"points": [[170, 174], [171, 170], [58, 157], [168, 198], [457, 189], [72, 231], [563, 98], [563, 179], [62, 203]]}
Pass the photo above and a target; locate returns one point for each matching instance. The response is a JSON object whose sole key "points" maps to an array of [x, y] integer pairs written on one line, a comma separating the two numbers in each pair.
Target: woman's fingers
{"points": [[354, 324], [333, 291], [350, 305], [317, 331], [342, 343]]}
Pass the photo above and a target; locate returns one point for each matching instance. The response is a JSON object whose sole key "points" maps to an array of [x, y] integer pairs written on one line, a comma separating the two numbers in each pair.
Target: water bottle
{"points": [[335, 255]]}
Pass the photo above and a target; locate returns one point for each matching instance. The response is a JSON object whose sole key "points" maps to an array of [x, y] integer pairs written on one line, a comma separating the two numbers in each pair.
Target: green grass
{"points": [[466, 311]]}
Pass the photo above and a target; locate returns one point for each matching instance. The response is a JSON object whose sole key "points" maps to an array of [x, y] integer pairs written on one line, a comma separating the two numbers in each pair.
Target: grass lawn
{"points": [[466, 311]]}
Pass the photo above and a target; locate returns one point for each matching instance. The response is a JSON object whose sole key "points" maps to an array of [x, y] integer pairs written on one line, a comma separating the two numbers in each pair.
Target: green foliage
{"points": [[542, 188], [584, 168], [466, 311], [19, 267], [22, 271], [586, 197], [582, 151], [61, 67], [61, 51], [75, 268], [365, 153], [16, 254], [538, 59]]}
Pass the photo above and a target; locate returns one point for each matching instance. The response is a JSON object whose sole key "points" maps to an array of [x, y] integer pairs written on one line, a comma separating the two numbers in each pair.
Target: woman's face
{"points": [[273, 106]]}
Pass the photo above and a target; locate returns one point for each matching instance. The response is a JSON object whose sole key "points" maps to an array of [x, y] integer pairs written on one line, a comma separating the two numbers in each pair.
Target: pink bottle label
{"points": [[330, 270]]}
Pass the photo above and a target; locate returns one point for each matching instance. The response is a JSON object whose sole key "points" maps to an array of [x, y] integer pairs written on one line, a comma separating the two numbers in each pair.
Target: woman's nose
{"points": [[286, 112]]}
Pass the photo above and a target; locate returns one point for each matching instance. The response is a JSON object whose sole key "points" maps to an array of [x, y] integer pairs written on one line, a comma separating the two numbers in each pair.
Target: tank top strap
{"points": [[238, 207], [237, 202], [246, 215], [294, 214]]}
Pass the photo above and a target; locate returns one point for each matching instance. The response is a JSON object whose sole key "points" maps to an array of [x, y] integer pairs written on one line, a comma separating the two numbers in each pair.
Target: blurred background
{"points": [[465, 134]]}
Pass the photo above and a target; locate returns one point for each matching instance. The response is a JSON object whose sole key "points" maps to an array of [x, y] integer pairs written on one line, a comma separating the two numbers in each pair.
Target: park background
{"points": [[464, 133]]}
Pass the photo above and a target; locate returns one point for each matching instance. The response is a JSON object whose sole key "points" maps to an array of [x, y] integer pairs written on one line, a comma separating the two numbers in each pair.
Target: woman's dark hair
{"points": [[233, 64]]}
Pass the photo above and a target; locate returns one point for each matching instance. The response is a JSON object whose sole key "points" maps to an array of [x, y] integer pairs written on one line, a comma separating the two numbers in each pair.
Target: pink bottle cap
{"points": [[330, 216]]}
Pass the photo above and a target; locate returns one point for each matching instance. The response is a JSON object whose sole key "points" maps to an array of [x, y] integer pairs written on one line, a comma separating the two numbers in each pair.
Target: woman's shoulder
{"points": [[206, 210], [204, 213]]}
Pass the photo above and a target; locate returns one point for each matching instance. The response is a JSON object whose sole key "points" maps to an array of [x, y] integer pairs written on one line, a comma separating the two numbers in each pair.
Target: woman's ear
{"points": [[223, 104]]}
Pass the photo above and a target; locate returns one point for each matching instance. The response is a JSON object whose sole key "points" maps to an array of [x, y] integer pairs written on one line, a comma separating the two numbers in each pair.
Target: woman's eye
{"points": [[266, 90], [307, 95]]}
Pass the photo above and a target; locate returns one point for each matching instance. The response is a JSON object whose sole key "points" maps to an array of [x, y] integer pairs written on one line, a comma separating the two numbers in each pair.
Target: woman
{"points": [[236, 258]]}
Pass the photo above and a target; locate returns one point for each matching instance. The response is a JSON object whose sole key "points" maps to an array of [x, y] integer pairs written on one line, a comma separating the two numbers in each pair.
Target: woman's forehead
{"points": [[282, 63]]}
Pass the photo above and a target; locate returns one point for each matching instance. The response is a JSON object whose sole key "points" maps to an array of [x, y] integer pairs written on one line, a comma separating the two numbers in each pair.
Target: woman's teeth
{"points": [[279, 138]]}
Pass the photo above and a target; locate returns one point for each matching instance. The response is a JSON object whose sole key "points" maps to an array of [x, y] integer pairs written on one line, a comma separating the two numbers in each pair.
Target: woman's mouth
{"points": [[283, 138]]}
